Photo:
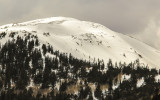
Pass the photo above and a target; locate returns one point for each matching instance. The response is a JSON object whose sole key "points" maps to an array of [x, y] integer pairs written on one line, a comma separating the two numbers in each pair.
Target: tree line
{"points": [[25, 63]]}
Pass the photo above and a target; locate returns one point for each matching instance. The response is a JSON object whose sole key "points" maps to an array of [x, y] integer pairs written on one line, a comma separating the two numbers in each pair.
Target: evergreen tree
{"points": [[63, 87], [98, 92]]}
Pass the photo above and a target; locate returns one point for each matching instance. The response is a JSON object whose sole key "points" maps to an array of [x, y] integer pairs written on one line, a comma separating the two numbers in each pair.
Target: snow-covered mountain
{"points": [[85, 40]]}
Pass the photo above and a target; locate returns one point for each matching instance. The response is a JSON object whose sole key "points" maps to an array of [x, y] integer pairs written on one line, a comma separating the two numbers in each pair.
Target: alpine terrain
{"points": [[62, 58], [85, 39]]}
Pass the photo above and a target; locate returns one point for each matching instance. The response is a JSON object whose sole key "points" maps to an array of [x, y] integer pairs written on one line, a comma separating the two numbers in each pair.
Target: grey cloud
{"points": [[124, 16], [120, 15], [151, 34]]}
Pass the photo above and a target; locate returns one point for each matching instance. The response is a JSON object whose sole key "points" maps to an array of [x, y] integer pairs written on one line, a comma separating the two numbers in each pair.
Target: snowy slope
{"points": [[83, 39]]}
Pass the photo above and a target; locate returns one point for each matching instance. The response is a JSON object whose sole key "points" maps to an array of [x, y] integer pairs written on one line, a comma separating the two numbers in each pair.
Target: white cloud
{"points": [[151, 34]]}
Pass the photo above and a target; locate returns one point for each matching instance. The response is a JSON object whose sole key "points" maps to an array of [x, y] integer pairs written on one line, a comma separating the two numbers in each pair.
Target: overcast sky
{"points": [[140, 18]]}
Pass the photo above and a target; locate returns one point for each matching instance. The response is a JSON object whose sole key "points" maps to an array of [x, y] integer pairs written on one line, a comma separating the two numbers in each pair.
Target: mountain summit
{"points": [[84, 40]]}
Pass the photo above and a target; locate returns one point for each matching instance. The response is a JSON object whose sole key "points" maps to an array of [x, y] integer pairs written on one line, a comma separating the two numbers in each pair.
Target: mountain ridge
{"points": [[86, 40]]}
